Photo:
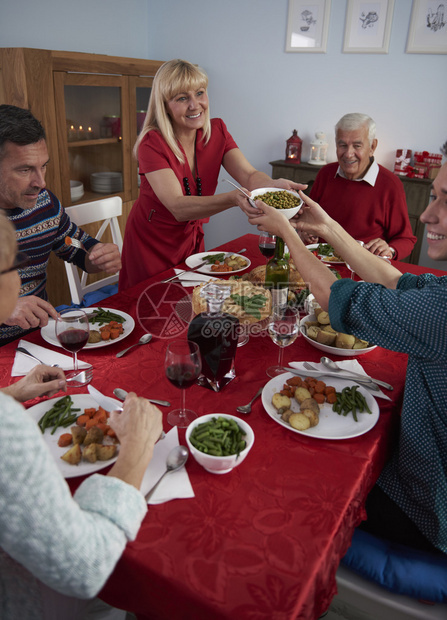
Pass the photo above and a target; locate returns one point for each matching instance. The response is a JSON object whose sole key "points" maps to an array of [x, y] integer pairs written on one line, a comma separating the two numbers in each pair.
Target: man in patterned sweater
{"points": [[40, 221]]}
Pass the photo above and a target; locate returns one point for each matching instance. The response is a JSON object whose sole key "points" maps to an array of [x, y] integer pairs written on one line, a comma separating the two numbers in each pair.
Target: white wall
{"points": [[261, 92]]}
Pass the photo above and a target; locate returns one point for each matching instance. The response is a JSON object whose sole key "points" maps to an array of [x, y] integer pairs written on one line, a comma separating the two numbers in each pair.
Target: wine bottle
{"points": [[277, 275]]}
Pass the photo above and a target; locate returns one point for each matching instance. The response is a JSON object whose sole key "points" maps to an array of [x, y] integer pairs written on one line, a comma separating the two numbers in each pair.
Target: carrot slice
{"points": [[65, 440]]}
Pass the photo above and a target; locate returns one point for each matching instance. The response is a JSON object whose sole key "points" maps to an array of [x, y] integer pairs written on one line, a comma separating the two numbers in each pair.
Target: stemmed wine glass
{"points": [[182, 366], [267, 243], [283, 329], [72, 331]]}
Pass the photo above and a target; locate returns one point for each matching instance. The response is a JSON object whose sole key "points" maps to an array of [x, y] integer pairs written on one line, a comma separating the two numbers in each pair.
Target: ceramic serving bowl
{"points": [[220, 464], [76, 190], [288, 213], [330, 350]]}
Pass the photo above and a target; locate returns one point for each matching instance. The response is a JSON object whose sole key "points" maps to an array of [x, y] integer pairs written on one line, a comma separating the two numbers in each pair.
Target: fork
{"points": [[74, 242], [82, 377]]}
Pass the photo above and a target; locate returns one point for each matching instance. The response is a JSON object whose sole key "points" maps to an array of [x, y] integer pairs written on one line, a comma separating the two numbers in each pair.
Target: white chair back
{"points": [[106, 210]]}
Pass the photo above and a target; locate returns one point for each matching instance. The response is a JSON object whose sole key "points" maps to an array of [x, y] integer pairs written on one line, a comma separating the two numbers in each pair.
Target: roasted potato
{"points": [[310, 403], [105, 452], [301, 394], [94, 435], [286, 415], [322, 316], [89, 453], [73, 455], [313, 417], [281, 402], [325, 337], [79, 433], [299, 421], [344, 341], [94, 336]]}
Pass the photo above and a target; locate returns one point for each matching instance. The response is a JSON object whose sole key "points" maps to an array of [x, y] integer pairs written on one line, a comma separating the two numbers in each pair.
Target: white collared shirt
{"points": [[370, 175]]}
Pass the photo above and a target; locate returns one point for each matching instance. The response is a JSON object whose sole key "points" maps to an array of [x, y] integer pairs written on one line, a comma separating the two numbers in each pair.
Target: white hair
{"points": [[356, 120]]}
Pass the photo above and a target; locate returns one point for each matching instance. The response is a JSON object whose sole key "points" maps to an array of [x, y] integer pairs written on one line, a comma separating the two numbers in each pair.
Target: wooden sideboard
{"points": [[417, 192]]}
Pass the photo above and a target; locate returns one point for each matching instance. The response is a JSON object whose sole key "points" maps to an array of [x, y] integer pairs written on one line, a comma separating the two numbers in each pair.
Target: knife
{"points": [[107, 403], [367, 383]]}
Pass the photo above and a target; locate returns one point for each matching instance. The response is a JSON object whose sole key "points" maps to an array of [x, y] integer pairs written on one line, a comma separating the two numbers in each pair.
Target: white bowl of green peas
{"points": [[226, 439], [285, 200]]}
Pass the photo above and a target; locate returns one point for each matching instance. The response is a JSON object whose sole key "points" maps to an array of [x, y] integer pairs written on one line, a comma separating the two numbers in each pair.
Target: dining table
{"points": [[263, 541]]}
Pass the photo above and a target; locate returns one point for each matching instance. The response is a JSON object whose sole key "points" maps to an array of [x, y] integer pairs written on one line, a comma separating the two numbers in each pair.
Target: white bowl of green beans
{"points": [[286, 201], [219, 442]]}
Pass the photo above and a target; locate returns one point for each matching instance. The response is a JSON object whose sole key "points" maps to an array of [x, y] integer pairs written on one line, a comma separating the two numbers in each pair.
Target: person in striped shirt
{"points": [[40, 220]]}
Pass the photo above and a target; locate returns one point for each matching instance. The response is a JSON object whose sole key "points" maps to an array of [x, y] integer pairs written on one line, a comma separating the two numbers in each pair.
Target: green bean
{"points": [[61, 414], [105, 316], [350, 400], [219, 437]]}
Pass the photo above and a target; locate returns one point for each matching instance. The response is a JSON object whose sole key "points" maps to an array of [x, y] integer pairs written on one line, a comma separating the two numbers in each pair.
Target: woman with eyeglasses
{"points": [[49, 540]]}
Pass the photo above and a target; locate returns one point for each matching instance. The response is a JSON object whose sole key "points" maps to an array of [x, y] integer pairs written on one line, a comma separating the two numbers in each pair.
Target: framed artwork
{"points": [[368, 26], [428, 28], [308, 25]]}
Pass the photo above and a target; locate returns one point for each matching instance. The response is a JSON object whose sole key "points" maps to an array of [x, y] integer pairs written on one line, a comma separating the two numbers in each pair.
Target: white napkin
{"points": [[23, 364], [175, 485], [346, 365], [194, 279]]}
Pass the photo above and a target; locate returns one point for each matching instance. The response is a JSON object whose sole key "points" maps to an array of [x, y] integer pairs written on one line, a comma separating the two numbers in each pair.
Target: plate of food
{"points": [[285, 200], [82, 455], [320, 420], [317, 330], [218, 262], [326, 253], [102, 321]]}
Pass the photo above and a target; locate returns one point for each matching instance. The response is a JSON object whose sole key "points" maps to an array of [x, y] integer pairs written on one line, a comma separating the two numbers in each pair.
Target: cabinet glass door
{"points": [[93, 135]]}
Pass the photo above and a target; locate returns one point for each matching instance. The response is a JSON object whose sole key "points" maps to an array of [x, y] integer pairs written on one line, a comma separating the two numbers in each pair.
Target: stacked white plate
{"points": [[76, 190], [106, 182]]}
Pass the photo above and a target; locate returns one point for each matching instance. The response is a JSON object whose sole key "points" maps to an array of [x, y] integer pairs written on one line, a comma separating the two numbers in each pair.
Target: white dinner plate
{"points": [[195, 259], [48, 332], [331, 424], [324, 259], [81, 401], [327, 348]]}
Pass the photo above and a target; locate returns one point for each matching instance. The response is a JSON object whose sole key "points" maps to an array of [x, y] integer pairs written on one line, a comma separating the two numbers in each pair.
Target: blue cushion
{"points": [[93, 298], [414, 573]]}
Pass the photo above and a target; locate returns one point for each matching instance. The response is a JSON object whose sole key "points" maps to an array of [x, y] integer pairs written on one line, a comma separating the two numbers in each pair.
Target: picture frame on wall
{"points": [[308, 25], [368, 26], [428, 28]]}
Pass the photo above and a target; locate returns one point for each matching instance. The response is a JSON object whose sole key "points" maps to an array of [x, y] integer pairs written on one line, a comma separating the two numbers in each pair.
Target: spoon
{"points": [[250, 200], [333, 366], [143, 340], [23, 351], [247, 408], [176, 458], [121, 394]]}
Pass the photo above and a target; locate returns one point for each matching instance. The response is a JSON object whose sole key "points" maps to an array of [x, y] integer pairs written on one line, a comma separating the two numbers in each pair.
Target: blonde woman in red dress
{"points": [[180, 151]]}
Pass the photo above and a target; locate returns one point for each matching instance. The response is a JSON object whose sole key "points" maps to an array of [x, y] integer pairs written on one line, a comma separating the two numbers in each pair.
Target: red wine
{"points": [[182, 375], [267, 249], [73, 339]]}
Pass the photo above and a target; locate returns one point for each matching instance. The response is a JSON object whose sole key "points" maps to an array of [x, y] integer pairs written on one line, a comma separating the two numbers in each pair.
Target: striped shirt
{"points": [[40, 231], [411, 319]]}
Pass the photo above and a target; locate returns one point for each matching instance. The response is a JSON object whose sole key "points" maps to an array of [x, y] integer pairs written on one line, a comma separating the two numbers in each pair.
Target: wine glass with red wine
{"points": [[182, 366], [267, 244], [72, 331]]}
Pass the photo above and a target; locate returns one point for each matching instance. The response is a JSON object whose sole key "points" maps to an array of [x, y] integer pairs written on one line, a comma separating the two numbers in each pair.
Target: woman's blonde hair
{"points": [[8, 242], [173, 77]]}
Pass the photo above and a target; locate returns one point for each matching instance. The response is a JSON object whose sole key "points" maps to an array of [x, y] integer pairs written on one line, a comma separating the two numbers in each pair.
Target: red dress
{"points": [[154, 240]]}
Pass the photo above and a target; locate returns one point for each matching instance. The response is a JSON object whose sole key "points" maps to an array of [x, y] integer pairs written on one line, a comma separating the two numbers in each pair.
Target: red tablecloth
{"points": [[265, 540]]}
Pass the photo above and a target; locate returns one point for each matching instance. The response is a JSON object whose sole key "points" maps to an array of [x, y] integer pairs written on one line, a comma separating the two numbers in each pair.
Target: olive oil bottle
{"points": [[277, 274]]}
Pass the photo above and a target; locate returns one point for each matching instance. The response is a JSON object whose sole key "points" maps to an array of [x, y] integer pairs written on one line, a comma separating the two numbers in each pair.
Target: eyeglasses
{"points": [[21, 260]]}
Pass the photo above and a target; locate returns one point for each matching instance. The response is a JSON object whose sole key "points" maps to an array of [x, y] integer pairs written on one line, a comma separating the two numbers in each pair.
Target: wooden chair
{"points": [[106, 211]]}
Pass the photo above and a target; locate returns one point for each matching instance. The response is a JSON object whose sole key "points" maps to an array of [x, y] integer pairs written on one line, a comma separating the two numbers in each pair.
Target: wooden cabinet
{"points": [[417, 192], [91, 107]]}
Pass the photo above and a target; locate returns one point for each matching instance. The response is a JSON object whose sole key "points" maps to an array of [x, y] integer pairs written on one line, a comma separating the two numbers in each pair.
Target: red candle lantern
{"points": [[293, 149]]}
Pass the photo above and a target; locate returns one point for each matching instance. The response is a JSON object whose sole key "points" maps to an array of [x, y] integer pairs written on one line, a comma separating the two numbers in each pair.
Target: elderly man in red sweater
{"points": [[365, 198]]}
